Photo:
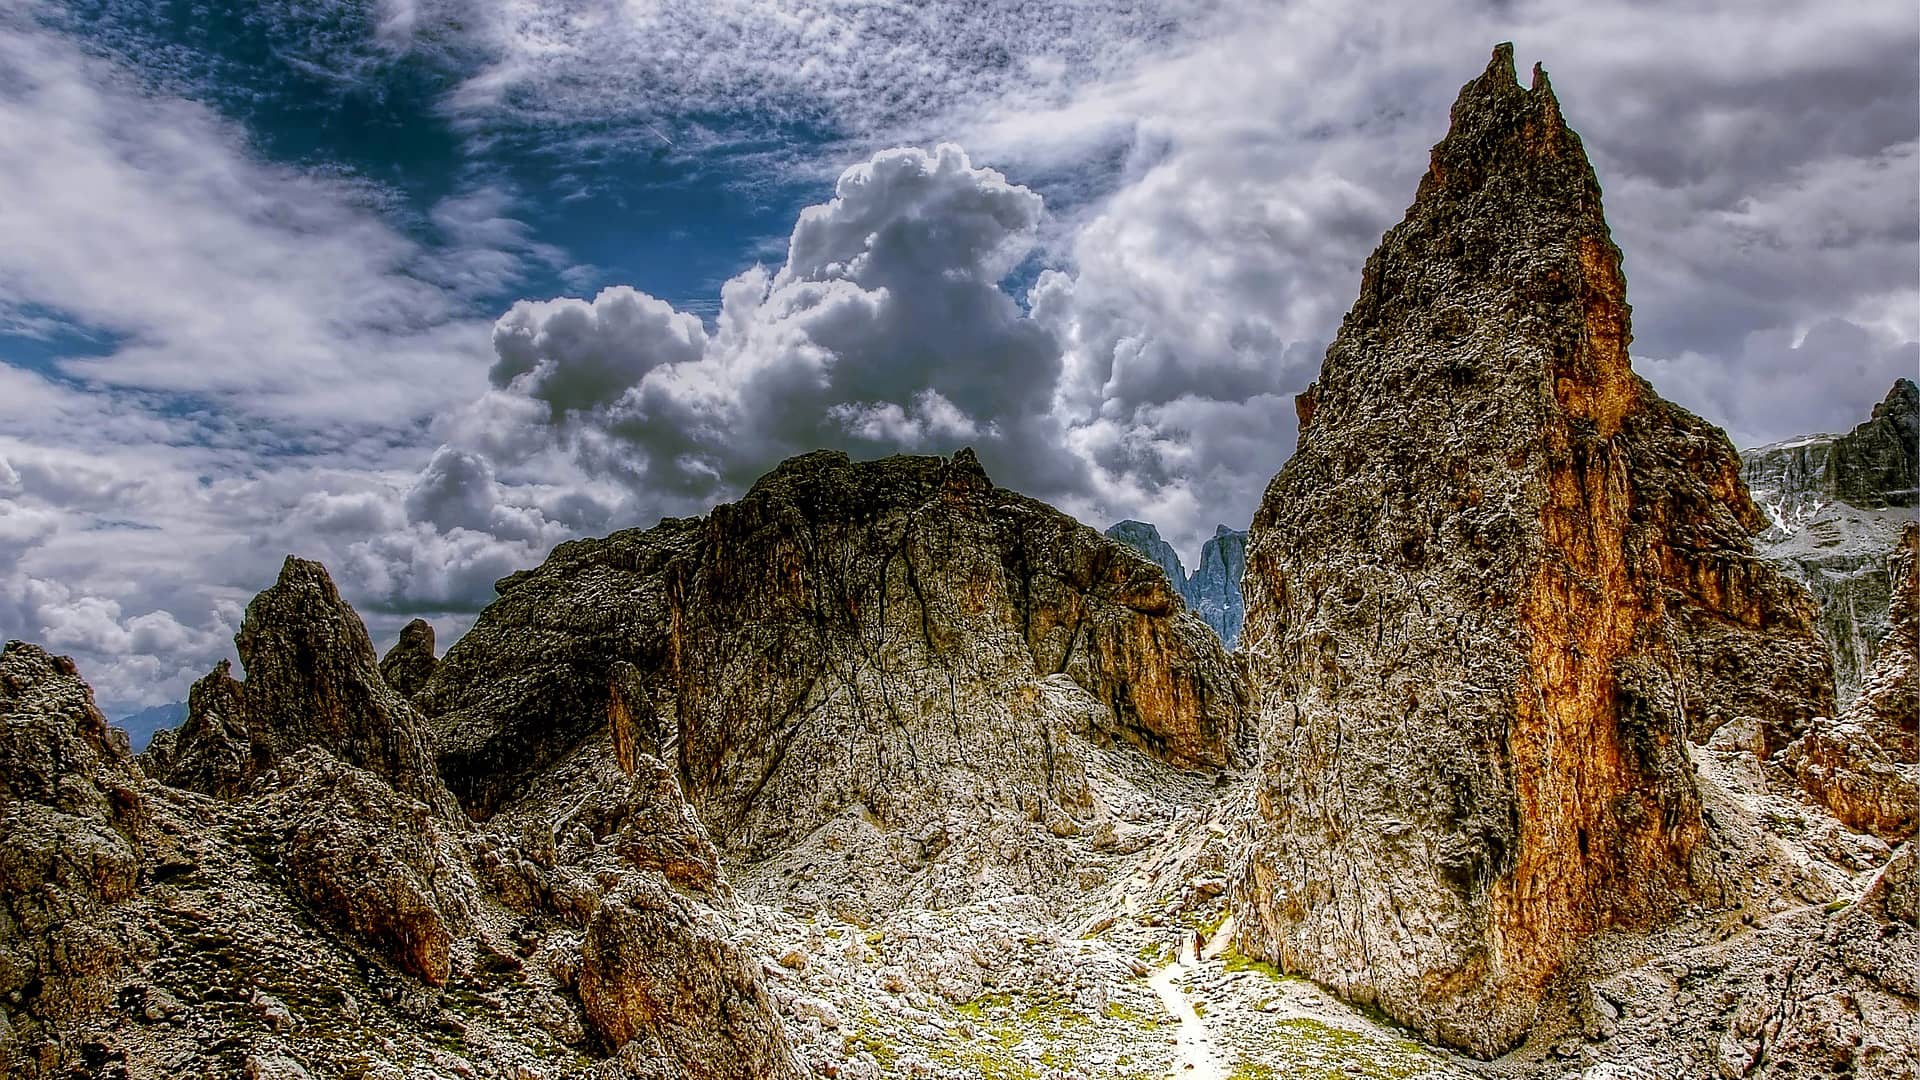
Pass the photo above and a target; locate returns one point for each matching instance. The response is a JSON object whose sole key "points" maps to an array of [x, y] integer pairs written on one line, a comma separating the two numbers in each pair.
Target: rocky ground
{"points": [[884, 771]]}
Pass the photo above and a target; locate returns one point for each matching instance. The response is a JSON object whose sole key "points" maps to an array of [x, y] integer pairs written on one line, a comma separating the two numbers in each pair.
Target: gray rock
{"points": [[410, 663], [1835, 506], [72, 826], [1145, 539], [1213, 590], [851, 645], [312, 681], [1489, 598]]}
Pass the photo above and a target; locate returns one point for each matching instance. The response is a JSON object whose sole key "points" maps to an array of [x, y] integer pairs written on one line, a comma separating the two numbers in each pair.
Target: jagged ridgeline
{"points": [[1213, 589], [885, 771], [1835, 505], [1489, 598]]}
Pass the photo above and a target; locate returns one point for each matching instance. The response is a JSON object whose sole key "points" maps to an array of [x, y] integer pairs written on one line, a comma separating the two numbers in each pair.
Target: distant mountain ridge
{"points": [[1835, 506], [1213, 590], [140, 726]]}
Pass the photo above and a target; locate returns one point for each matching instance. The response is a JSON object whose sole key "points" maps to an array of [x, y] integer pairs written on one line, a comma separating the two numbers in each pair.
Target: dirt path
{"points": [[1194, 1057]]}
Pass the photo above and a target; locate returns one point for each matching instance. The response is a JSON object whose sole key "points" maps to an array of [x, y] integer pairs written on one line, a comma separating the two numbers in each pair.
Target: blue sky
{"points": [[423, 287]]}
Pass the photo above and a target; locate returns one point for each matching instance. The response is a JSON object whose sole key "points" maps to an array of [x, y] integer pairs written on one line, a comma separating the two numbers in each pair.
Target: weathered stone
{"points": [[1489, 598], [699, 1003], [410, 663], [312, 681], [372, 861], [1889, 703], [1877, 464], [1836, 505], [847, 637], [1145, 539], [211, 751], [134, 916], [1861, 766], [71, 825], [1841, 766]]}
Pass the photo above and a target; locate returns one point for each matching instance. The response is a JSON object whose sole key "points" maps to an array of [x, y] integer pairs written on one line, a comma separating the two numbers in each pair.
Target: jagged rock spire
{"points": [[1490, 596], [312, 680]]}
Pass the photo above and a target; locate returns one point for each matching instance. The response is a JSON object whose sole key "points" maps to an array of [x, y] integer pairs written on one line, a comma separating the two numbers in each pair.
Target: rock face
{"points": [[1875, 465], [1889, 704], [312, 902], [410, 663], [1862, 765], [873, 645], [312, 680], [1145, 538], [1818, 990], [71, 825], [1213, 590], [1835, 506], [1489, 598]]}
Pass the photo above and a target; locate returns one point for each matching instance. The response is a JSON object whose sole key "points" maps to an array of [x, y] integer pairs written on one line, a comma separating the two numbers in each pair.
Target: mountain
{"points": [[1492, 595], [1835, 505], [140, 726], [897, 646], [1530, 763], [1213, 591], [1145, 539]]}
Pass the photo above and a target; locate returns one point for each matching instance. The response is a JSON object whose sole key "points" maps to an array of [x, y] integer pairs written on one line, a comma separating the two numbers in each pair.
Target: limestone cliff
{"points": [[1835, 505], [855, 647], [1212, 591], [1489, 598], [1862, 764]]}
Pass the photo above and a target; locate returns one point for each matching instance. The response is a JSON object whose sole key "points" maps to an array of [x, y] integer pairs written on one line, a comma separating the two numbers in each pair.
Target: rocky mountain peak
{"points": [[855, 651], [1489, 598], [410, 663], [1145, 538], [1212, 591], [1835, 505], [312, 681]]}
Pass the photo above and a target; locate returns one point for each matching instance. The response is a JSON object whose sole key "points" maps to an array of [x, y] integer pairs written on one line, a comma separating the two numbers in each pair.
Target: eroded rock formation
{"points": [[1835, 507], [312, 681], [1214, 589], [310, 900], [71, 826], [410, 663], [1489, 598], [1861, 766], [861, 644]]}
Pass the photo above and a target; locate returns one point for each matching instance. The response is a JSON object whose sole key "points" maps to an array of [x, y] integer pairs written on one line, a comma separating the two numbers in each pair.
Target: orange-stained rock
{"points": [[1490, 597], [852, 645]]}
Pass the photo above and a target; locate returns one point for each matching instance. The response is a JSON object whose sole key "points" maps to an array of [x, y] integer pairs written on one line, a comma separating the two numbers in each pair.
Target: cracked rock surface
{"points": [[1492, 595]]}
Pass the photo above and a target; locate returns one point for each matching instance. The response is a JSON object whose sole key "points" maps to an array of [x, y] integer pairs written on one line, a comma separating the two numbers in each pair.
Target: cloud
{"points": [[867, 66], [279, 293], [577, 356], [285, 358], [886, 328]]}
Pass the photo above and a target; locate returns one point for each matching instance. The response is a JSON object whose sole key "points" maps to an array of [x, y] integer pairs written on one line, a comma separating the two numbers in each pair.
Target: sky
{"points": [[420, 288]]}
